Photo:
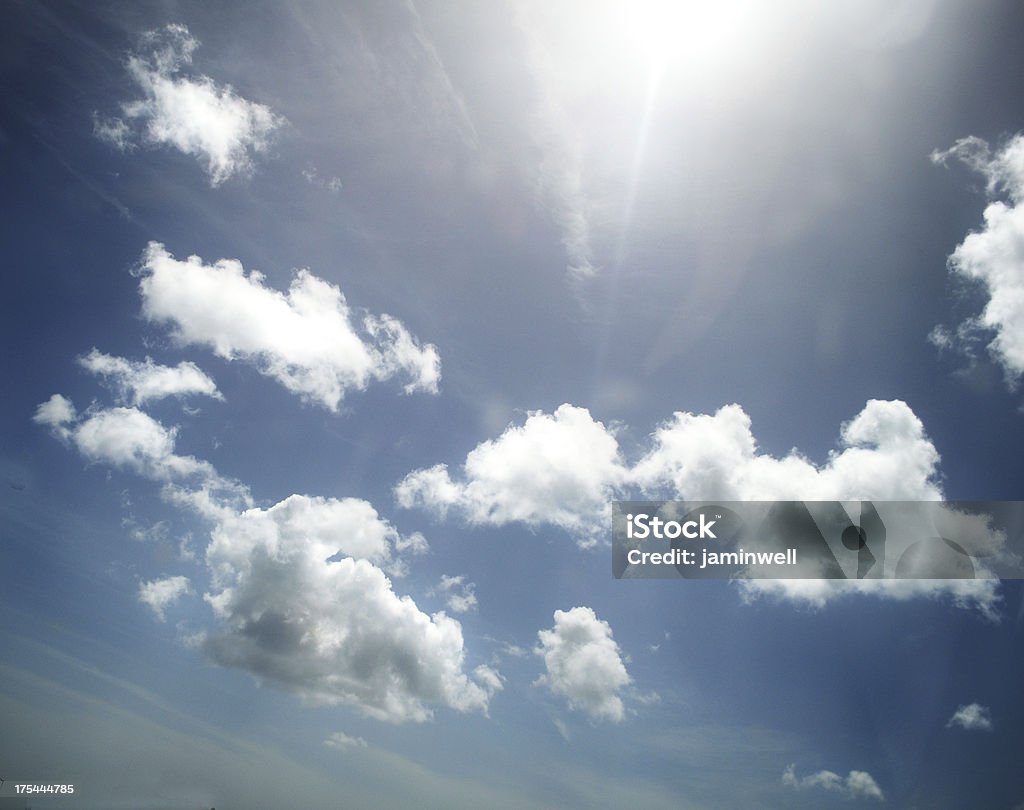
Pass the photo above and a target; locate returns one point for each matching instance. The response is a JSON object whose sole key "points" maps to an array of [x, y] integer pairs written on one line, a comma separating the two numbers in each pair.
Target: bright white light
{"points": [[699, 34]]}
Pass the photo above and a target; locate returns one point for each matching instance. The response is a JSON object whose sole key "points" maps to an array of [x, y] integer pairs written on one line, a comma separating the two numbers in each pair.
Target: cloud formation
{"points": [[971, 717], [857, 785], [583, 664], [122, 437], [333, 630], [190, 113], [139, 382], [341, 741], [299, 589], [993, 255], [557, 469], [563, 469], [460, 596], [159, 594], [304, 339]]}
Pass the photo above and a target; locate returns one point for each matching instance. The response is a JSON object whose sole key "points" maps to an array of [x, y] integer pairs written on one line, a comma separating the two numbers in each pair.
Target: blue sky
{"points": [[334, 329]]}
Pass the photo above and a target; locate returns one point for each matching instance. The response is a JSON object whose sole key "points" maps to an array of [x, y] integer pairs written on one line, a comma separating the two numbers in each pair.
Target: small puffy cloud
{"points": [[139, 382], [972, 717], [341, 741], [129, 438], [56, 413], [489, 678], [190, 113], [994, 254], [460, 596], [560, 469], [158, 594], [856, 785], [584, 664], [304, 339]]}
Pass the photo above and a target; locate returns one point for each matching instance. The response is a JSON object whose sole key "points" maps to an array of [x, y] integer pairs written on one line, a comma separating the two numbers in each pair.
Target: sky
{"points": [[332, 330]]}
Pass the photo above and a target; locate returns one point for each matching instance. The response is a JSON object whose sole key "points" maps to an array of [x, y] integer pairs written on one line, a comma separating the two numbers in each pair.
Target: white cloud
{"points": [[584, 664], [981, 595], [139, 382], [563, 470], [560, 469], [460, 596], [296, 587], [56, 413], [857, 785], [994, 255], [344, 742], [159, 594], [327, 526], [972, 717], [114, 131], [333, 630], [560, 173], [304, 339], [130, 439], [192, 114], [885, 455]]}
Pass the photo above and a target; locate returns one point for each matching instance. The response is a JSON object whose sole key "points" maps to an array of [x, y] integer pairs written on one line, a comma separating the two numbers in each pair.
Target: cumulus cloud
{"points": [[129, 439], [341, 741], [190, 113], [304, 339], [298, 589], [563, 469], [56, 413], [856, 785], [158, 594], [333, 630], [460, 596], [583, 664], [884, 455], [994, 255], [139, 382], [328, 526], [971, 717], [559, 469]]}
